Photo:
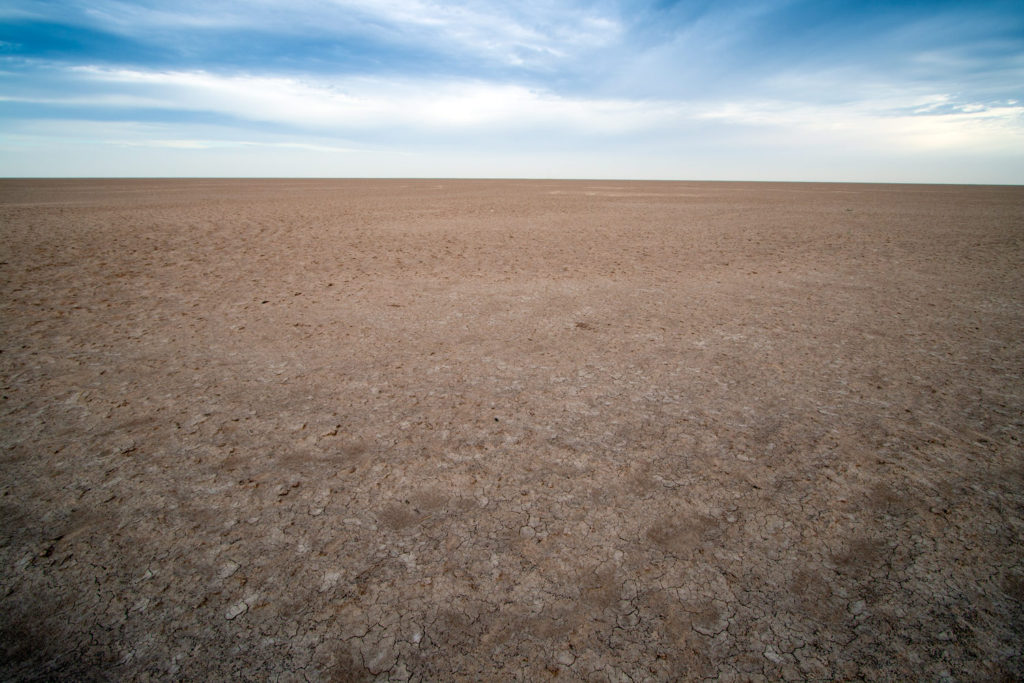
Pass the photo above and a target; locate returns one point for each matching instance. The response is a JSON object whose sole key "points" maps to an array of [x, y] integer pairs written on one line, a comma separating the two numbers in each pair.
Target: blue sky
{"points": [[775, 90]]}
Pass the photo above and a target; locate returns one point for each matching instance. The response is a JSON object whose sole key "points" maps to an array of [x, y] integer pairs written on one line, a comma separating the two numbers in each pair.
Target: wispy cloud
{"points": [[934, 124], [335, 34], [513, 32], [371, 103], [350, 105]]}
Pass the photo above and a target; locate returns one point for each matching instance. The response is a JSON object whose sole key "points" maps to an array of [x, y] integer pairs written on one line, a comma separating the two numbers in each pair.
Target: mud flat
{"points": [[481, 430]]}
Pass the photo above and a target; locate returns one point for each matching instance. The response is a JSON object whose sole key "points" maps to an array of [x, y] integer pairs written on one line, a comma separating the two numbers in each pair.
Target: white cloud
{"points": [[376, 126], [351, 105], [929, 123], [516, 33], [364, 103], [511, 33]]}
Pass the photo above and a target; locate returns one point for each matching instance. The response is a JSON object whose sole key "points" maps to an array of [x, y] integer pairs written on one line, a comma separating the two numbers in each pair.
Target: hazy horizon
{"points": [[780, 91], [510, 179]]}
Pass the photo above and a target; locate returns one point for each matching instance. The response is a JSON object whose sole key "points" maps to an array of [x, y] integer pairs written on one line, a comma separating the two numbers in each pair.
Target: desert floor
{"points": [[487, 430]]}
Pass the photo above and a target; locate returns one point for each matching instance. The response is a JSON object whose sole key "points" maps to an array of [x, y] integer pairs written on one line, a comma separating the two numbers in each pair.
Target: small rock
{"points": [[566, 658], [527, 532], [330, 581], [228, 569], [235, 610]]}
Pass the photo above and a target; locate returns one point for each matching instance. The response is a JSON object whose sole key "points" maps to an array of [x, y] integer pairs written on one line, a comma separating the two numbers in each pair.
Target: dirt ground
{"points": [[484, 430]]}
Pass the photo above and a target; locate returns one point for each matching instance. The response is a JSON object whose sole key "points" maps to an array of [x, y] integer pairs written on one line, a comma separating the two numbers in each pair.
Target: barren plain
{"points": [[490, 430]]}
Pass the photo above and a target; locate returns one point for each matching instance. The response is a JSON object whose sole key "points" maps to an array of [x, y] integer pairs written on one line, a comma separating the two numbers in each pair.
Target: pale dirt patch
{"points": [[486, 430]]}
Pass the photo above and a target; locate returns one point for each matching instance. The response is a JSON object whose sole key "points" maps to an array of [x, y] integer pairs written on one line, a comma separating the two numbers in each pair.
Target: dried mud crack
{"points": [[434, 430]]}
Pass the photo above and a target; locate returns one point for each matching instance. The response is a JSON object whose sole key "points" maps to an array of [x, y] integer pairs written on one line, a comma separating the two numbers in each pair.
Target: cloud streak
{"points": [[350, 105]]}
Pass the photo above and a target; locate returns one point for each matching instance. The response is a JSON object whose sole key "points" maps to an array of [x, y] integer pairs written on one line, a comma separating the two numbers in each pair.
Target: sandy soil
{"points": [[480, 430]]}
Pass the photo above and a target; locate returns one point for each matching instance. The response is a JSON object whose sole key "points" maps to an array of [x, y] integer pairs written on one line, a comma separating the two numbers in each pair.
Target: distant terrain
{"points": [[487, 430]]}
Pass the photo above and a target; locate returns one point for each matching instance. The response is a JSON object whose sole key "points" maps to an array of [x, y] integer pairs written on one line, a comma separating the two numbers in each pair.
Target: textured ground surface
{"points": [[437, 429]]}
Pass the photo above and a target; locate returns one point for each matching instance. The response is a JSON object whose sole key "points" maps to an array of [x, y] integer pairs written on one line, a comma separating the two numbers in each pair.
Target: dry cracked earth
{"points": [[482, 430]]}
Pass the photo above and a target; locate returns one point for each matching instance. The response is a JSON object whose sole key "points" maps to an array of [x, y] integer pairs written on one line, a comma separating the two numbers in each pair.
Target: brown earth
{"points": [[483, 430]]}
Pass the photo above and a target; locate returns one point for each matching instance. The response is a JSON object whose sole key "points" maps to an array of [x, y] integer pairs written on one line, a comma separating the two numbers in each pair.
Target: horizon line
{"points": [[521, 179]]}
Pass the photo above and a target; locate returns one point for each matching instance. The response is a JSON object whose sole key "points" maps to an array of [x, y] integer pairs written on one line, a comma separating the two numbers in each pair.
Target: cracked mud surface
{"points": [[339, 430]]}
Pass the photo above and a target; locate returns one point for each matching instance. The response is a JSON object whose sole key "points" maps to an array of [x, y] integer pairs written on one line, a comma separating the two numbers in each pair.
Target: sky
{"points": [[782, 90]]}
